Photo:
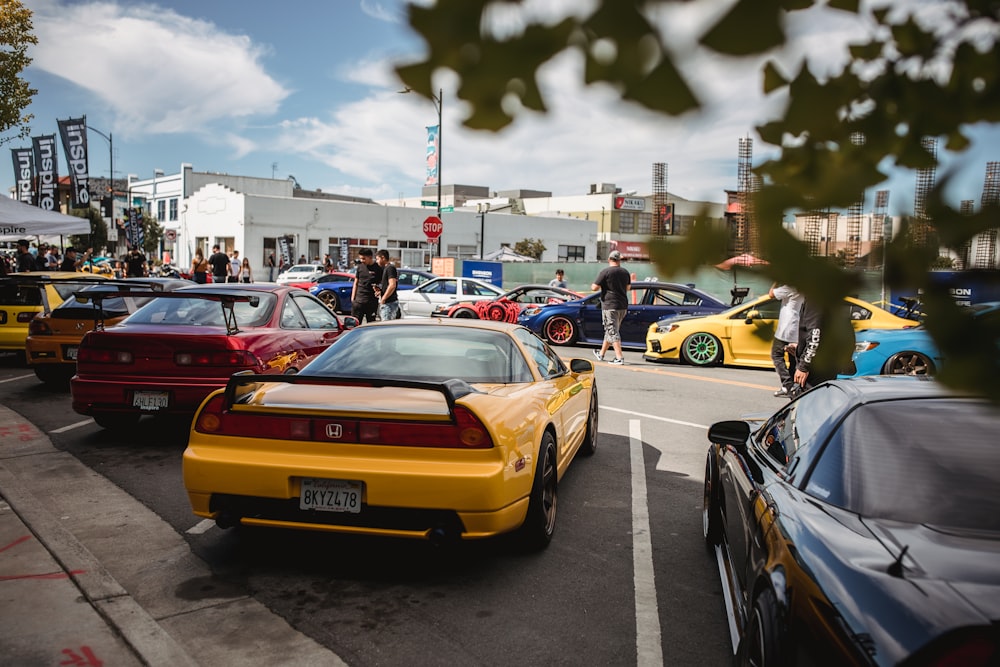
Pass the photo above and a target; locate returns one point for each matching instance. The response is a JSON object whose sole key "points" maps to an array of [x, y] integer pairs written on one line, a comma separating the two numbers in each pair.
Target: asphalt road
{"points": [[627, 579]]}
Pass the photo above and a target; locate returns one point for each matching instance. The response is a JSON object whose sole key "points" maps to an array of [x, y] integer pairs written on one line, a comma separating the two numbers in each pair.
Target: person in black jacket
{"points": [[364, 299], [823, 351]]}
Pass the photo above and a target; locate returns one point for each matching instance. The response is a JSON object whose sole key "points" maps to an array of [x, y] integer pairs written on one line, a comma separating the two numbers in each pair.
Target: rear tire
{"points": [[540, 523], [53, 375], [465, 313], [116, 421]]}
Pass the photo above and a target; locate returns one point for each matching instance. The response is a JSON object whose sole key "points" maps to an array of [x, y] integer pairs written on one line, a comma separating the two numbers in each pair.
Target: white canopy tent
{"points": [[505, 254], [19, 221]]}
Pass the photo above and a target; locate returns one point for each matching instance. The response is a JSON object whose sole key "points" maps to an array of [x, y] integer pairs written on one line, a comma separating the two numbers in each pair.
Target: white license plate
{"points": [[71, 353], [150, 400], [330, 495]]}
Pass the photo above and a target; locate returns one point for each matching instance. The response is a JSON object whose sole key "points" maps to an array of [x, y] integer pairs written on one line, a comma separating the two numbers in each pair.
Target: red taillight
{"points": [[25, 317], [467, 432], [101, 356], [39, 327], [966, 647], [240, 358]]}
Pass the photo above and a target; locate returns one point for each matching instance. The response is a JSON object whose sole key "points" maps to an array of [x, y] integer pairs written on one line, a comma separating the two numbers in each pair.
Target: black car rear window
{"points": [[20, 295], [931, 461]]}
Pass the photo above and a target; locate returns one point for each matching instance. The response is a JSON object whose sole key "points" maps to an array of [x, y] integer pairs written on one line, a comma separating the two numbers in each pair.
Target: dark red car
{"points": [[507, 306], [170, 354]]}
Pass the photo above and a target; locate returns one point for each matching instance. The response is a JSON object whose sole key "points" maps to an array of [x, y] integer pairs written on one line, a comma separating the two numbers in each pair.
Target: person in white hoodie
{"points": [[786, 332]]}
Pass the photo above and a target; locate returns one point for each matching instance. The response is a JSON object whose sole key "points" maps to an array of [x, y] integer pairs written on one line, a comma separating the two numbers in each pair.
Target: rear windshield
{"points": [[423, 353], [20, 295], [203, 312], [931, 461]]}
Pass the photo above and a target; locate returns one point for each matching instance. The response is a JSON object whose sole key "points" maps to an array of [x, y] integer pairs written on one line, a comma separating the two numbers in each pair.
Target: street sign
{"points": [[447, 209], [433, 227], [424, 202]]}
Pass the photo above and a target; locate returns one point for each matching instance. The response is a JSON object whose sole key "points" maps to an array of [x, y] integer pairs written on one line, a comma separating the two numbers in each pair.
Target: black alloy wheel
{"points": [[540, 522]]}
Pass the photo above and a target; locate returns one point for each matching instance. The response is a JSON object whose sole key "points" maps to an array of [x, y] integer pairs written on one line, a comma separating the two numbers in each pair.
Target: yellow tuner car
{"points": [[54, 337], [438, 429], [23, 296], [742, 336]]}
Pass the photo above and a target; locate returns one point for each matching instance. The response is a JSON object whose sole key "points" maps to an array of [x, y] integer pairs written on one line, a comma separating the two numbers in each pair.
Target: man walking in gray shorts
{"points": [[614, 283]]}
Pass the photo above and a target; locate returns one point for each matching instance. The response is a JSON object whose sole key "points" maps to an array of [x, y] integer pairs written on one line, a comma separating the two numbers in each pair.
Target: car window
{"points": [[800, 424], [475, 289], [545, 360], [411, 278], [445, 286], [291, 316], [924, 461], [423, 353], [768, 310], [203, 312], [12, 294], [317, 315], [859, 312], [66, 289]]}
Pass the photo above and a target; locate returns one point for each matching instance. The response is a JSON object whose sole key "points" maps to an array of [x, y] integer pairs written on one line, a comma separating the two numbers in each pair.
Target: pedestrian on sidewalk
{"points": [[614, 283]]}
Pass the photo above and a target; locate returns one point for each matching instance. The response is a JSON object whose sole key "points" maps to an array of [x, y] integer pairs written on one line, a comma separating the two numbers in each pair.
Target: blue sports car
{"points": [[334, 289], [905, 351], [579, 320]]}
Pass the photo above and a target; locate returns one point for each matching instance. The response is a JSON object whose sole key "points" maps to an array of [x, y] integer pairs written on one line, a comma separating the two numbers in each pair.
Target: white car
{"points": [[300, 273], [422, 300]]}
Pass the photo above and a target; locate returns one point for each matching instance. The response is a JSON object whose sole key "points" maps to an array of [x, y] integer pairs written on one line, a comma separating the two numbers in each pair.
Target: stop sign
{"points": [[433, 227]]}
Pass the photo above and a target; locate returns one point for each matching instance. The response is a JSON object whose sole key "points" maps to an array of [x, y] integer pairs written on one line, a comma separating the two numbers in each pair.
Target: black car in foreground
{"points": [[860, 525]]}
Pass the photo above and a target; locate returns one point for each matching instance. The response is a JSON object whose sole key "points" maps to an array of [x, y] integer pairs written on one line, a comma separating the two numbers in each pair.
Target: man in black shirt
{"points": [[219, 261], [388, 300], [135, 264], [614, 282], [25, 260], [364, 301]]}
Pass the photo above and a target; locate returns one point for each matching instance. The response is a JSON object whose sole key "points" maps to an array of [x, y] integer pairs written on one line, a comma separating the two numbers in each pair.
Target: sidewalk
{"points": [[89, 576]]}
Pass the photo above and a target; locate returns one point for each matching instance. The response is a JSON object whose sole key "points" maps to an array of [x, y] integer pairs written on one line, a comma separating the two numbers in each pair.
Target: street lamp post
{"points": [[111, 156], [439, 106], [482, 210]]}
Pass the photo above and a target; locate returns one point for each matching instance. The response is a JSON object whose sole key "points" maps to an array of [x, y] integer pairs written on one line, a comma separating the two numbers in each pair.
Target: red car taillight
{"points": [[466, 432], [239, 358], [101, 356], [25, 317], [39, 327], [967, 647]]}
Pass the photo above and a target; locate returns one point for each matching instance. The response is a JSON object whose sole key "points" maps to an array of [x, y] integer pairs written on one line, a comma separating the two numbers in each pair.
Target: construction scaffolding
{"points": [[966, 209], [662, 220], [746, 236], [921, 224], [812, 231], [854, 214], [986, 242], [877, 255]]}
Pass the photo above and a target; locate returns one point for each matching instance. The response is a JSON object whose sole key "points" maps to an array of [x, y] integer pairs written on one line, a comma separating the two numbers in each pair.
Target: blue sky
{"points": [[264, 88]]}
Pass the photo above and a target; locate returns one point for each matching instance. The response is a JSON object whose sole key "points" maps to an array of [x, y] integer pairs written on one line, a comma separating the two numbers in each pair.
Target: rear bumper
{"points": [[407, 492], [106, 395]]}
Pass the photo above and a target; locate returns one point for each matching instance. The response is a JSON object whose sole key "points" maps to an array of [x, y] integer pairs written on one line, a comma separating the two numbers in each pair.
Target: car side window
{"points": [[291, 316], [547, 362], [317, 315]]}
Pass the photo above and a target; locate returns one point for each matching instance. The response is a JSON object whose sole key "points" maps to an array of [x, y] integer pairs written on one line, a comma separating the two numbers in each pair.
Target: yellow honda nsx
{"points": [[439, 429], [742, 336]]}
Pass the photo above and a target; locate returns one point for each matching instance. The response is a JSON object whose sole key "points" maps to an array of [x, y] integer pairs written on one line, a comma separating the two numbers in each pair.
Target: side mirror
{"points": [[581, 366], [733, 433], [349, 322], [752, 315]]}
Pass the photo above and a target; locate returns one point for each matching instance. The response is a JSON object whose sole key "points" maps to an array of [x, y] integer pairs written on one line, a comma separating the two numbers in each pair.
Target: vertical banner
{"points": [[136, 234], [24, 175], [74, 140], [47, 172], [284, 251], [433, 132]]}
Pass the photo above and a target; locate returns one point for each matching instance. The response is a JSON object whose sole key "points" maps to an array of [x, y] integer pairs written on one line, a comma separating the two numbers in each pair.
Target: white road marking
{"points": [[648, 644], [70, 427], [661, 463], [202, 526], [19, 377], [734, 633]]}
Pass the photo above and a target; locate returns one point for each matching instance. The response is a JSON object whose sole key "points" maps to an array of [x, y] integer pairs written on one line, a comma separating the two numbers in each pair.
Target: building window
{"points": [[173, 209], [645, 223], [161, 210], [463, 251], [571, 253], [626, 222]]}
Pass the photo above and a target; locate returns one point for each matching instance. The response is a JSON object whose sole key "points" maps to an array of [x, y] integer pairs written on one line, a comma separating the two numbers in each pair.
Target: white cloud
{"points": [[158, 71], [380, 12]]}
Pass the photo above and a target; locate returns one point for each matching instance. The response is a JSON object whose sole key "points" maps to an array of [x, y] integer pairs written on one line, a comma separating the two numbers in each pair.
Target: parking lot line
{"points": [[648, 644]]}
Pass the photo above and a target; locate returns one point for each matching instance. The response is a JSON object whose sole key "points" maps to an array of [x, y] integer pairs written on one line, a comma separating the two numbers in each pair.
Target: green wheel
{"points": [[701, 349]]}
